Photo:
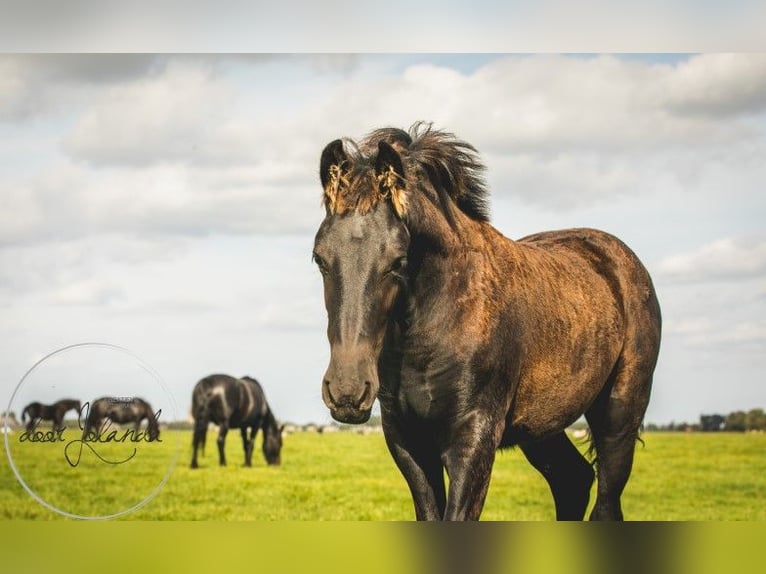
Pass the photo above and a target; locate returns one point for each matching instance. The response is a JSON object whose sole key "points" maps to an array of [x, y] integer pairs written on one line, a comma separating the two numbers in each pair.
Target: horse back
{"points": [[119, 410], [599, 262], [223, 398]]}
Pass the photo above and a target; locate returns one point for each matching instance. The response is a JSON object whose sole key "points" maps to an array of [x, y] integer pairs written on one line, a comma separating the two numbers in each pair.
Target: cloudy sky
{"points": [[167, 204]]}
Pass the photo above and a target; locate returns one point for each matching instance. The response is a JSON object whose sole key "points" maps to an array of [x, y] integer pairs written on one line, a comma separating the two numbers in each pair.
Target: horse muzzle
{"points": [[350, 402]]}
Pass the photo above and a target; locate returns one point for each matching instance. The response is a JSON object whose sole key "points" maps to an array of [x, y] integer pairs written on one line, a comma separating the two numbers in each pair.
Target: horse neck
{"points": [[151, 421], [444, 238], [451, 257], [269, 423]]}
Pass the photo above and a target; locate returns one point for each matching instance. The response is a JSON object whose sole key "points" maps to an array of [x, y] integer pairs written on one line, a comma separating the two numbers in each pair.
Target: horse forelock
{"points": [[353, 185], [448, 164]]}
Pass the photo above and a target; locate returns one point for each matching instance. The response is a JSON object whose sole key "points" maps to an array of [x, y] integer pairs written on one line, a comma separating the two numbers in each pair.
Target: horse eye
{"points": [[320, 263], [398, 265]]}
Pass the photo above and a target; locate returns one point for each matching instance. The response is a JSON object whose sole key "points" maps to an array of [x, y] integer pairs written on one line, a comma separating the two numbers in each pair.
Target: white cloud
{"points": [[565, 132], [183, 115], [719, 85], [716, 333], [88, 270], [190, 145], [177, 196], [88, 292], [32, 85], [165, 200], [727, 259]]}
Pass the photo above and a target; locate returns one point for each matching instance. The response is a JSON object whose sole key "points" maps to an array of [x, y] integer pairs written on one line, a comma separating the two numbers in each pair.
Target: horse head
{"points": [[272, 442], [361, 251]]}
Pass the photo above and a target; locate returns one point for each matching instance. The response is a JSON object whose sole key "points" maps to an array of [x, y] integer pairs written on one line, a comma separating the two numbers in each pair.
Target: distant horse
{"points": [[234, 403], [471, 341], [39, 412], [122, 410]]}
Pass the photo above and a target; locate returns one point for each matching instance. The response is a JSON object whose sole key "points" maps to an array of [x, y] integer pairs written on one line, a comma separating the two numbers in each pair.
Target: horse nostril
{"points": [[366, 394], [329, 393]]}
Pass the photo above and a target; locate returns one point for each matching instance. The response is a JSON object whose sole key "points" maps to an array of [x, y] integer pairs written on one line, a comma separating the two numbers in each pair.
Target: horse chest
{"points": [[430, 389], [419, 401]]}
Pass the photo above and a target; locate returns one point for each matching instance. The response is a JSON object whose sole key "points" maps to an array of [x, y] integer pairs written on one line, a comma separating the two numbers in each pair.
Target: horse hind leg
{"points": [[198, 438], [615, 421], [568, 474]]}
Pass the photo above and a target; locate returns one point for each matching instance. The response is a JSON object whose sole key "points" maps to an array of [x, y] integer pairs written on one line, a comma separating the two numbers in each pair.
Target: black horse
{"points": [[122, 410], [471, 341], [39, 412], [234, 403]]}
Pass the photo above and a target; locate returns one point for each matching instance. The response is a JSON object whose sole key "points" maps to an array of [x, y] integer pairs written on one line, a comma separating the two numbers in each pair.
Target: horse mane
{"points": [[451, 165]]}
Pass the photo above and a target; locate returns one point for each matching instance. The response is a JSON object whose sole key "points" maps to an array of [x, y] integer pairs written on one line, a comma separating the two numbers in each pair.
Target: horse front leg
{"points": [[222, 443], [247, 444], [421, 467], [469, 459]]}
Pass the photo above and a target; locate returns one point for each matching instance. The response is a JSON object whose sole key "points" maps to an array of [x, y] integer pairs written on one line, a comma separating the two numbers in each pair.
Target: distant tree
{"points": [[755, 419], [709, 423], [736, 421]]}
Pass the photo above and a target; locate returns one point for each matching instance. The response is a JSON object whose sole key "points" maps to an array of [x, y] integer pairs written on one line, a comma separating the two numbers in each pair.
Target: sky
{"points": [[167, 204]]}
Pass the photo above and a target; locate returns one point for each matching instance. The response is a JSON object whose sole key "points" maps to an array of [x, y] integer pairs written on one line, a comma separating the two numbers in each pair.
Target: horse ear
{"points": [[390, 173], [332, 169], [333, 154]]}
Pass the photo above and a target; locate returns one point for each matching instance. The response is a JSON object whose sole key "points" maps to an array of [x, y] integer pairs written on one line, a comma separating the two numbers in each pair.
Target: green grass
{"points": [[347, 476]]}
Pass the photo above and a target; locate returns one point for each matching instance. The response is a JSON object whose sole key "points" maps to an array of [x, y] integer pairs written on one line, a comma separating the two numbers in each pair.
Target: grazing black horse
{"points": [[234, 403], [39, 412], [122, 410], [472, 341]]}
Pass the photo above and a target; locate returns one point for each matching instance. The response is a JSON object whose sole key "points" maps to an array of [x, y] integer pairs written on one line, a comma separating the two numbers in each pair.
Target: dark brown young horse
{"points": [[472, 341], [234, 403], [55, 413], [122, 410]]}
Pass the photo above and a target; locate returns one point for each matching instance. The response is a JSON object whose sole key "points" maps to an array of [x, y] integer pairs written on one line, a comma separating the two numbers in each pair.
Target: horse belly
{"points": [[572, 345], [549, 397]]}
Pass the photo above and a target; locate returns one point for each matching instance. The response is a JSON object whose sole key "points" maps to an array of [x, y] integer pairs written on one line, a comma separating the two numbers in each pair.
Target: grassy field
{"points": [[348, 476]]}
